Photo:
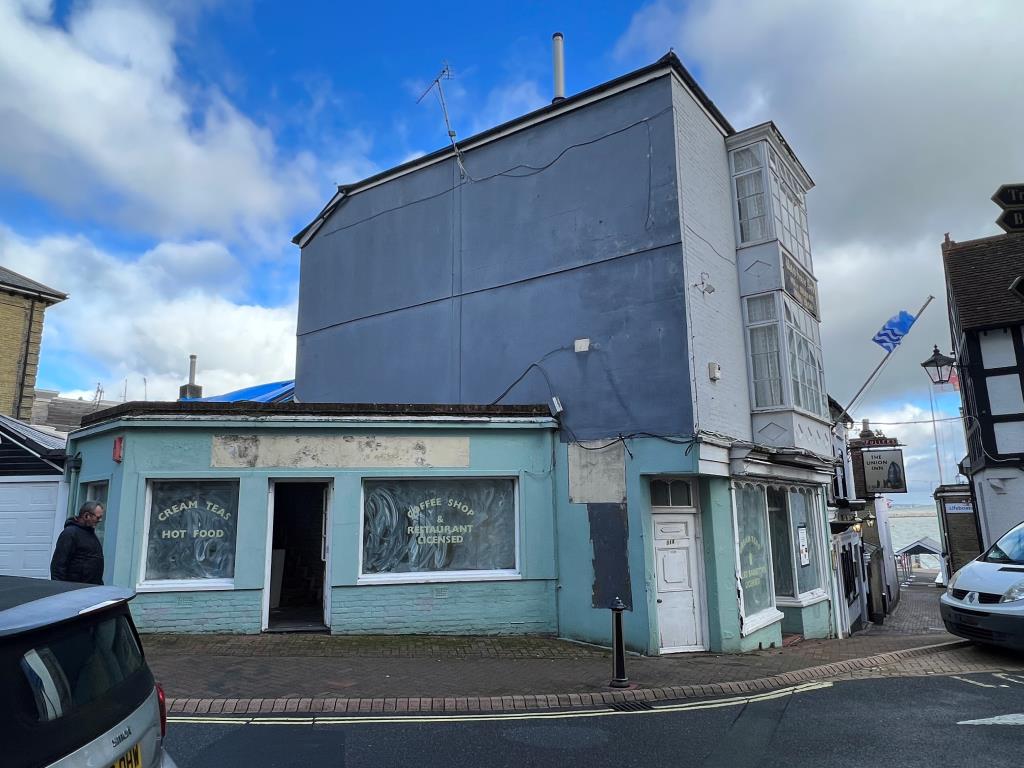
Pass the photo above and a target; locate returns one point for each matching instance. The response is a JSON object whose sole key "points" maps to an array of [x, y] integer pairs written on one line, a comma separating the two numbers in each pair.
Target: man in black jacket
{"points": [[78, 555]]}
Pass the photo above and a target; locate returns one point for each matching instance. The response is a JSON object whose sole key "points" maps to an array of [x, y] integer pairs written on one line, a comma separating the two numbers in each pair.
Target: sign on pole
{"points": [[1010, 197], [1012, 220], [883, 472]]}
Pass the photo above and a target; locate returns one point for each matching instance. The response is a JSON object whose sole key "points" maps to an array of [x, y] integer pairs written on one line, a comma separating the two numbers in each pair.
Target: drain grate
{"points": [[631, 706]]}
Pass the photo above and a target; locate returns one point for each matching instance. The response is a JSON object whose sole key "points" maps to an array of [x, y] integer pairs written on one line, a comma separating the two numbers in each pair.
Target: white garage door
{"points": [[27, 513]]}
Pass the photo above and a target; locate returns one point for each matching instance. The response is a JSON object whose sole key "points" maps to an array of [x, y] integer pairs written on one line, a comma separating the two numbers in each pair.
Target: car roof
{"points": [[27, 604]]}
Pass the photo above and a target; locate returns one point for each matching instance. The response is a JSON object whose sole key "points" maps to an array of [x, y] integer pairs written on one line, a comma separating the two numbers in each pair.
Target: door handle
{"points": [[659, 600]]}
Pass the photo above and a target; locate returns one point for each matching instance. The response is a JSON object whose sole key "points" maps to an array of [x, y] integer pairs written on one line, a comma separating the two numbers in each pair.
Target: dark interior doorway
{"points": [[297, 564]]}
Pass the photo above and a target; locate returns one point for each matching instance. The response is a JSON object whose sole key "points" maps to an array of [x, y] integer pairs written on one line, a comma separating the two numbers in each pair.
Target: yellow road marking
{"points": [[497, 716]]}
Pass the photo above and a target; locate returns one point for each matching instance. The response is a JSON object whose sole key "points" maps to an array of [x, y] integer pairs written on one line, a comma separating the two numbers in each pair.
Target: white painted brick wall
{"points": [[716, 323]]}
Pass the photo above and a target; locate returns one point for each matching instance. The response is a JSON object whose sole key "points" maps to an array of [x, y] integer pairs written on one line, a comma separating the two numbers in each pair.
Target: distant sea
{"points": [[908, 523]]}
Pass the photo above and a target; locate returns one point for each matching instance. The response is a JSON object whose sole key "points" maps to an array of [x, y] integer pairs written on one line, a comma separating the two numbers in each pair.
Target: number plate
{"points": [[130, 759]]}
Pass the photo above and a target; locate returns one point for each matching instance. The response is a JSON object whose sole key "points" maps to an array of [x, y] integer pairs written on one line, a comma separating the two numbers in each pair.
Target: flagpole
{"points": [[884, 360]]}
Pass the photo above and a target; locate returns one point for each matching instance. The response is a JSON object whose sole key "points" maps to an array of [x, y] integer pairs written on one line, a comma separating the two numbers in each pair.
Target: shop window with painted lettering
{"points": [[754, 552], [446, 528], [796, 544], [191, 531]]}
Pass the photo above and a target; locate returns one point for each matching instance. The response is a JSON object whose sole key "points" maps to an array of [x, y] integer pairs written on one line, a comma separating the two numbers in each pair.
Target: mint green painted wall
{"points": [[576, 618], [812, 621], [234, 611], [488, 607], [719, 563], [175, 451], [98, 464]]}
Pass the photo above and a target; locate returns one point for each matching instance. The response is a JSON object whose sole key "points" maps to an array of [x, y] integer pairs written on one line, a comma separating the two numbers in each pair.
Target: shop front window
{"points": [[754, 553], [447, 527], [192, 527], [796, 549]]}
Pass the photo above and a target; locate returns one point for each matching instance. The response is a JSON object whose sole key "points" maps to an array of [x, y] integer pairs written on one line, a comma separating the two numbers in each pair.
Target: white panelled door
{"points": [[680, 594], [27, 512]]}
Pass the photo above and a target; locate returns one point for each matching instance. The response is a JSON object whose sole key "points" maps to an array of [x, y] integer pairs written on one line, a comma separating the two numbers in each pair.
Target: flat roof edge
{"points": [[269, 410]]}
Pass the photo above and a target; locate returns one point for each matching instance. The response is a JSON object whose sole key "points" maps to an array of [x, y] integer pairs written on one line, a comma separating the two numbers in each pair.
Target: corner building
{"points": [[624, 255], [631, 254]]}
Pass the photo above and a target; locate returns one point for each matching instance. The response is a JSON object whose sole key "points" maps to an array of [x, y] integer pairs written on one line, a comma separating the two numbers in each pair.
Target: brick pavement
{"points": [[309, 673]]}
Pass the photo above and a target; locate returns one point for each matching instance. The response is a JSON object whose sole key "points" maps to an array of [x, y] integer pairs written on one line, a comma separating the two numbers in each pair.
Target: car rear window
{"points": [[66, 684], [79, 667]]}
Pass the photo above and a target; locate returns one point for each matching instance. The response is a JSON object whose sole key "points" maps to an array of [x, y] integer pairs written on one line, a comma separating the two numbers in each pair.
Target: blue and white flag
{"points": [[892, 332]]}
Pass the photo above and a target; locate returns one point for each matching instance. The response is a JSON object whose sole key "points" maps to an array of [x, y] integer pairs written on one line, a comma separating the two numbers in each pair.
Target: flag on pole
{"points": [[892, 333]]}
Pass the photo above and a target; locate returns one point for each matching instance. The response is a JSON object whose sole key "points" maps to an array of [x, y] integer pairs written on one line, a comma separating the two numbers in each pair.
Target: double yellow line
{"points": [[396, 719]]}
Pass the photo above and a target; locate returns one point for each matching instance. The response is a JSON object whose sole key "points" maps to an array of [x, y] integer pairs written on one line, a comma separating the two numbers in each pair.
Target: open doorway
{"points": [[298, 557]]}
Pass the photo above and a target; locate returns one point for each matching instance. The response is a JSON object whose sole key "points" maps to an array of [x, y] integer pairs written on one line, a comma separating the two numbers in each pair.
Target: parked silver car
{"points": [[75, 689], [984, 600]]}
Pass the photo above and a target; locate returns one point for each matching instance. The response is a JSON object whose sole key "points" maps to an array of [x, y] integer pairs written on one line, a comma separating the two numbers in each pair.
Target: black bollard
{"points": [[618, 646]]}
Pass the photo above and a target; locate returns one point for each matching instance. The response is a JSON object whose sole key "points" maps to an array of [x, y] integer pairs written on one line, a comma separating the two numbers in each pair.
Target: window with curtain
{"points": [[807, 374], [763, 334], [751, 200]]}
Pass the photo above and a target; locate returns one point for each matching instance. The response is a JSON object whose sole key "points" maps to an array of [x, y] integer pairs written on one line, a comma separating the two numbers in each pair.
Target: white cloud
{"points": [[97, 119], [506, 102], [143, 317], [904, 114]]}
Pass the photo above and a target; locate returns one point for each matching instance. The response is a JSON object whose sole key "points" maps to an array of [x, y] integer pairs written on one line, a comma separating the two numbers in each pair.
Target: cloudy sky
{"points": [[157, 157]]}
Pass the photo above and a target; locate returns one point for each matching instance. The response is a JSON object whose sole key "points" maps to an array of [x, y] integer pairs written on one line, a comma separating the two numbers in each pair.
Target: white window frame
{"points": [[439, 577], [769, 233], [180, 585], [88, 487], [819, 593], [781, 350], [796, 311], [767, 616], [789, 207]]}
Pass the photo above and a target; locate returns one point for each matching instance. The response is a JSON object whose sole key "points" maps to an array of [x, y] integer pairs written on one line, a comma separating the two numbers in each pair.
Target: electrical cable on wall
{"points": [[506, 173]]}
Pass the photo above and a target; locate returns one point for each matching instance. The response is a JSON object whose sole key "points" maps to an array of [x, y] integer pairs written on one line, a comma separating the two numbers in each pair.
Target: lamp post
{"points": [[939, 368]]}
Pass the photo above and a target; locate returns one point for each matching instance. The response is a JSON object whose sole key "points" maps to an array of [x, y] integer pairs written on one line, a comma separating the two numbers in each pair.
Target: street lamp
{"points": [[939, 367]]}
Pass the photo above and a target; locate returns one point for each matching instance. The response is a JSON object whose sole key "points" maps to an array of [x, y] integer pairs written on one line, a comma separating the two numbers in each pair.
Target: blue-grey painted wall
{"points": [[426, 288]]}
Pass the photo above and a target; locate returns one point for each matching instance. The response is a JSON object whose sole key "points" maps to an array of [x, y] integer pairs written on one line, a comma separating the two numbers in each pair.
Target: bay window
{"points": [[806, 370], [786, 369], [751, 201], [763, 338], [790, 211]]}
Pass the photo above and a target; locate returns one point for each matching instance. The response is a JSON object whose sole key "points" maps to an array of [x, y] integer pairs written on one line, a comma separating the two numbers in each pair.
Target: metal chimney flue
{"points": [[558, 64], [191, 390]]}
